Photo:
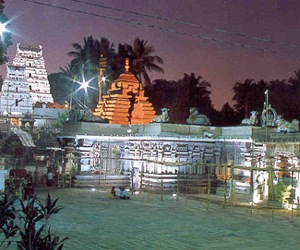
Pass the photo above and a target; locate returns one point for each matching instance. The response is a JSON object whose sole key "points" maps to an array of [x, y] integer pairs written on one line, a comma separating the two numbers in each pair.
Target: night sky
{"points": [[222, 40]]}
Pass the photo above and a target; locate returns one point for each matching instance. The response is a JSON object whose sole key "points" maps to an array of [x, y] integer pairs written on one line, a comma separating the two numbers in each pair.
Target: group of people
{"points": [[123, 194]]}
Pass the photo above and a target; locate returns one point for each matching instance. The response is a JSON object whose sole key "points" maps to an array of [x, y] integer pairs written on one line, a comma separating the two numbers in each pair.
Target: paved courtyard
{"points": [[93, 221]]}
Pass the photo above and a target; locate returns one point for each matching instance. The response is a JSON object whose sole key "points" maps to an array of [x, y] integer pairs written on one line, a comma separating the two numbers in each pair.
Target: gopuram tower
{"points": [[125, 102], [15, 96], [37, 77]]}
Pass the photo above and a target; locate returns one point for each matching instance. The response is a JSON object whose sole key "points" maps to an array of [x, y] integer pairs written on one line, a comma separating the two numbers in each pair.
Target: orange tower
{"points": [[125, 102]]}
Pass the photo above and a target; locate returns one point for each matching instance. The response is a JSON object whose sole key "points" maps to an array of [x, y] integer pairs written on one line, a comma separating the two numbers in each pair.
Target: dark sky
{"points": [[223, 47]]}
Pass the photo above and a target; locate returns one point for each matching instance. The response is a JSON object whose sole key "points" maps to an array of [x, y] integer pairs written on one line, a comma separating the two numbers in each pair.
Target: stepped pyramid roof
{"points": [[125, 102]]}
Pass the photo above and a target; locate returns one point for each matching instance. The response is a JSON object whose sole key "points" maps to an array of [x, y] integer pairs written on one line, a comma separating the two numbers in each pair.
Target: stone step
{"points": [[102, 181]]}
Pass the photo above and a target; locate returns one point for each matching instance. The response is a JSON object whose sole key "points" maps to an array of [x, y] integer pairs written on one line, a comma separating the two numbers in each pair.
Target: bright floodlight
{"points": [[103, 79], [2, 28], [84, 85]]}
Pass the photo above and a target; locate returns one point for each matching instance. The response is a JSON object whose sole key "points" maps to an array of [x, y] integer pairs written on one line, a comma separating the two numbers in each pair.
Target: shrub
{"points": [[282, 192], [25, 223]]}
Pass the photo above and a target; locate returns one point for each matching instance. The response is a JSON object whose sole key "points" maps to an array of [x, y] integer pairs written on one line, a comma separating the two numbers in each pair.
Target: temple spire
{"points": [[126, 102], [127, 65]]}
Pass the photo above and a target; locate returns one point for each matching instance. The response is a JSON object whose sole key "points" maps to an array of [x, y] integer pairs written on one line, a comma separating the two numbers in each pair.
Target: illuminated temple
{"points": [[125, 102], [132, 151], [135, 150]]}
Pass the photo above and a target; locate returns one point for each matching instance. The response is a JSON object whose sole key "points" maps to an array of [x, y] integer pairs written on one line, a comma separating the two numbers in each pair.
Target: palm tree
{"points": [[294, 95], [295, 81], [192, 92], [284, 96], [241, 96], [227, 116], [68, 77], [142, 60], [197, 93], [249, 96], [85, 63], [86, 55]]}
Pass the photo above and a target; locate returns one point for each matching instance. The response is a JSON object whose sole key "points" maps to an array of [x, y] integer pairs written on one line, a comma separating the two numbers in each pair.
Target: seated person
{"points": [[123, 194], [112, 194]]}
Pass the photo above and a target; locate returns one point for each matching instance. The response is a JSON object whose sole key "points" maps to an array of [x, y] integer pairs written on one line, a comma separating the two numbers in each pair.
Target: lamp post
{"points": [[267, 111], [84, 85], [101, 79]]}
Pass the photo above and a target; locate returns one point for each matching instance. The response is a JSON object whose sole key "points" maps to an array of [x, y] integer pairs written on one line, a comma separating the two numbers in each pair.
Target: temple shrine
{"points": [[125, 102]]}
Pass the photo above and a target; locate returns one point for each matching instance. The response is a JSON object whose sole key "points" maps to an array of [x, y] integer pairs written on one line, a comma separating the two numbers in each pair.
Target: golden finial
{"points": [[127, 64]]}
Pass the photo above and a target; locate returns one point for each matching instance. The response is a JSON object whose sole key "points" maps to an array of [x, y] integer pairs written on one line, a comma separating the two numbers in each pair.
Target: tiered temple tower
{"points": [[15, 95], [37, 78], [125, 102]]}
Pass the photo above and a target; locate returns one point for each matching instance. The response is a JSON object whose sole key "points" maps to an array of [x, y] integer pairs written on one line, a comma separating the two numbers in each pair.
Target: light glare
{"points": [[84, 85], [3, 28]]}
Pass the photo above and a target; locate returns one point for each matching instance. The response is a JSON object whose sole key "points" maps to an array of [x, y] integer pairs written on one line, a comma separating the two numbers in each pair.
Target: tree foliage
{"points": [[6, 39], [283, 97], [226, 117], [293, 96], [142, 60], [249, 96], [179, 96], [66, 84], [84, 67], [13, 146], [162, 93], [190, 91], [61, 86]]}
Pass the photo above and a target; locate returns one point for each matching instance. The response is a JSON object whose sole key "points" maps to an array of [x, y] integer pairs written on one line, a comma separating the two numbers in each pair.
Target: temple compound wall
{"points": [[250, 158]]}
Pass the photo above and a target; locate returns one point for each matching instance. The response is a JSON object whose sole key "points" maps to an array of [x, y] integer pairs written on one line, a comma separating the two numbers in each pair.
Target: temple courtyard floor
{"points": [[93, 221]]}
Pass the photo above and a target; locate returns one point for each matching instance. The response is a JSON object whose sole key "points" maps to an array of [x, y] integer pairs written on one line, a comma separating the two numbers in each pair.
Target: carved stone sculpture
{"points": [[163, 117], [268, 116], [285, 126], [252, 120], [196, 118], [207, 134]]}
